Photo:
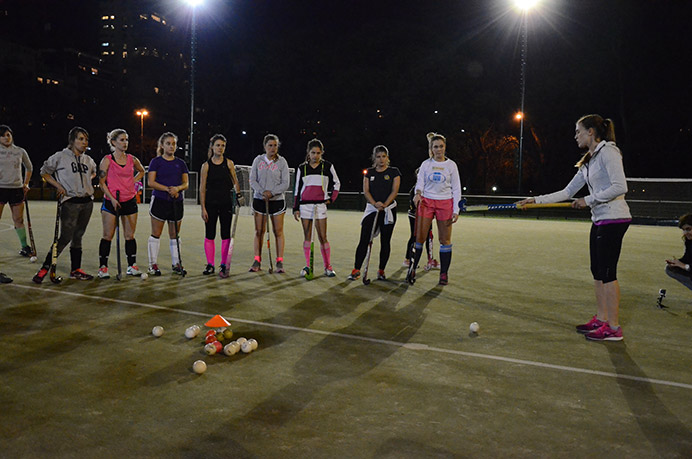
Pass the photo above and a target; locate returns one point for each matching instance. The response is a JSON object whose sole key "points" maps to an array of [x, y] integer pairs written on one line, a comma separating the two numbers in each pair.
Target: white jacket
{"points": [[604, 175]]}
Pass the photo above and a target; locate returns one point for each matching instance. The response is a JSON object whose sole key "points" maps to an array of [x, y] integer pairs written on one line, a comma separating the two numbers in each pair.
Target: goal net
{"points": [[659, 199]]}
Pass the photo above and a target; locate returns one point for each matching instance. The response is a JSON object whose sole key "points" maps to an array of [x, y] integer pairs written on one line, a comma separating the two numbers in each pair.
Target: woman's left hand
{"points": [[455, 217], [579, 203]]}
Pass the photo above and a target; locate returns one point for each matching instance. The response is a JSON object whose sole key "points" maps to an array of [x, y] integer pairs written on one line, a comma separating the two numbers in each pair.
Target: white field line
{"points": [[410, 346]]}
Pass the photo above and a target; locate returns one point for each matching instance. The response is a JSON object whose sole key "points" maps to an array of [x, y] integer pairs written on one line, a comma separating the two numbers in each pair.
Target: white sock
{"points": [[174, 252], [153, 248]]}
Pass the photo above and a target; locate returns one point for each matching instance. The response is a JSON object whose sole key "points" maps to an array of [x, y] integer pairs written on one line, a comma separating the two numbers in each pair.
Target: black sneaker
{"points": [[26, 251], [4, 279], [208, 270], [178, 269], [154, 270]]}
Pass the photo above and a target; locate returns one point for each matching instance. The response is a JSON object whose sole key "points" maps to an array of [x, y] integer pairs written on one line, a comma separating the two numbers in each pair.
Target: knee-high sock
{"points": [[104, 252], [418, 246], [445, 258], [131, 251], [209, 250], [153, 247], [306, 251], [21, 234], [174, 251], [76, 257], [326, 254], [225, 244]]}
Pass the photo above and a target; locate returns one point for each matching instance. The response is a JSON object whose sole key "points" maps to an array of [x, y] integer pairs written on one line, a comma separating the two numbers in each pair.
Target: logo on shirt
{"points": [[80, 168], [437, 177], [386, 177]]}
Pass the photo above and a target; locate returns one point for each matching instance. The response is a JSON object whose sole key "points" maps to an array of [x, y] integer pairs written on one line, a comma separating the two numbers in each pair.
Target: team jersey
{"points": [[380, 184], [316, 185]]}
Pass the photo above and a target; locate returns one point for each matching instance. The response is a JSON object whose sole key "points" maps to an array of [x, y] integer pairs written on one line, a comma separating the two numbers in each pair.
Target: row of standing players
{"points": [[435, 195]]}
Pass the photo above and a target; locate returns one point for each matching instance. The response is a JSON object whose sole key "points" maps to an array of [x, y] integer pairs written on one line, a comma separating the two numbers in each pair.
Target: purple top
{"points": [[168, 173]]}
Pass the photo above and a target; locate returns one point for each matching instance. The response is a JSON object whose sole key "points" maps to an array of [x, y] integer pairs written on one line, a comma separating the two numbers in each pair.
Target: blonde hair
{"points": [[113, 135], [164, 136], [379, 149], [433, 136]]}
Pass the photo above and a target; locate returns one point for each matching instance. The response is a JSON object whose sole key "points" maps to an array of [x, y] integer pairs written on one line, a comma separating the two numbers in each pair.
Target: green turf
{"points": [[343, 369]]}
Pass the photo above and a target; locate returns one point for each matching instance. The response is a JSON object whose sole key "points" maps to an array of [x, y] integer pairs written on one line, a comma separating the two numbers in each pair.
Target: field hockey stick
{"points": [[513, 206], [119, 276], [366, 281], [311, 269], [269, 247], [234, 216], [411, 272], [177, 241], [31, 232], [54, 278]]}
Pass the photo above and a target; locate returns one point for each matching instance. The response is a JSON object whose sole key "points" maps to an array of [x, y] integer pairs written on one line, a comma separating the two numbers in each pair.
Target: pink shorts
{"points": [[440, 209]]}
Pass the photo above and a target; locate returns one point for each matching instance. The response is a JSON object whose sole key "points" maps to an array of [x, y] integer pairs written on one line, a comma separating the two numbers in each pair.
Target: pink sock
{"points": [[209, 249], [306, 251], [326, 254], [225, 243]]}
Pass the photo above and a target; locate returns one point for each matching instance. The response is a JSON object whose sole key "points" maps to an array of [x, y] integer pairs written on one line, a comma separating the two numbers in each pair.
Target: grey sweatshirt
{"points": [[605, 178], [269, 175], [73, 172], [11, 160]]}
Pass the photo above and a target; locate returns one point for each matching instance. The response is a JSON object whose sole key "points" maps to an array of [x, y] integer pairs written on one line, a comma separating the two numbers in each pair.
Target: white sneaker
{"points": [[329, 272], [304, 272], [103, 273], [406, 263], [133, 271]]}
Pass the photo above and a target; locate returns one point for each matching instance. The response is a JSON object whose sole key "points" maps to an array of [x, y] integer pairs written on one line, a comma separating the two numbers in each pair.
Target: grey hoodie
{"points": [[269, 175], [73, 172]]}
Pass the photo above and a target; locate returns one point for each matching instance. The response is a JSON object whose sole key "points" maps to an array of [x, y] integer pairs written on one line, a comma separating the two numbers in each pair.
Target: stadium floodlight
{"points": [[193, 4], [525, 5]]}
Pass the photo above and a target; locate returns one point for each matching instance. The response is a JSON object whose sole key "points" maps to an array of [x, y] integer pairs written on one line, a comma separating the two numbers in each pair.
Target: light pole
{"points": [[142, 112], [193, 48], [524, 6]]}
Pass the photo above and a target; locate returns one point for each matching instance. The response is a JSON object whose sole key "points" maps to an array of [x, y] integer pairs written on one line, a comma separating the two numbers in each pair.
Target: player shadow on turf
{"points": [[664, 430], [338, 358]]}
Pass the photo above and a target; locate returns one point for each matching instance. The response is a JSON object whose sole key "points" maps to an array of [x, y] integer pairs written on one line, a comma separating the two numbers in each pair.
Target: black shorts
{"points": [[163, 210], [12, 195], [275, 207], [126, 208], [605, 243]]}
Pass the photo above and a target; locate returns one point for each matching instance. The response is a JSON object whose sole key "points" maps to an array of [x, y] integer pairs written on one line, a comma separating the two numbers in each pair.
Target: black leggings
{"points": [[605, 243], [412, 240], [222, 213], [385, 238]]}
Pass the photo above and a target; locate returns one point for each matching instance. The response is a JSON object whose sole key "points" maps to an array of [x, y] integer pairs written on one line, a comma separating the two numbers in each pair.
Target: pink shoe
{"points": [[590, 326], [605, 333]]}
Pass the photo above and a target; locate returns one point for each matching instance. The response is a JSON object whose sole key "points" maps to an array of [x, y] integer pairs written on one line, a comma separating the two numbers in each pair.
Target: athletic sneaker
{"points": [[279, 267], [443, 279], [154, 270], [305, 271], [355, 274], [79, 274], [103, 273], [38, 278], [26, 251], [5, 279], [208, 270], [435, 264], [380, 275], [133, 270], [223, 272], [591, 325], [329, 272], [256, 266], [406, 263], [605, 333], [178, 269]]}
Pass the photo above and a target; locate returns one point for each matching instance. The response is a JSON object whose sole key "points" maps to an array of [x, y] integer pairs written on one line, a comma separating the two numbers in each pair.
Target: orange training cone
{"points": [[217, 322]]}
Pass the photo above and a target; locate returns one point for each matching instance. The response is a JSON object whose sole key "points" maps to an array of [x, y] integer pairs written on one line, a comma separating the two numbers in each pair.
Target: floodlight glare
{"points": [[525, 4], [193, 3]]}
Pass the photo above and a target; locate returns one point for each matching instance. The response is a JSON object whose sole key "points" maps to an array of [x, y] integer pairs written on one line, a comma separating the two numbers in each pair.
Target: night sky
{"points": [[386, 72]]}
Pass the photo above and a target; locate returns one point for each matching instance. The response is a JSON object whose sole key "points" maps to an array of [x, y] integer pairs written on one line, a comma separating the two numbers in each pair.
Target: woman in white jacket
{"points": [[601, 170]]}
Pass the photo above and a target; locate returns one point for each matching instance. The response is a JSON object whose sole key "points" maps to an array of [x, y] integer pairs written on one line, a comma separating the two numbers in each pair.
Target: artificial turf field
{"points": [[343, 369]]}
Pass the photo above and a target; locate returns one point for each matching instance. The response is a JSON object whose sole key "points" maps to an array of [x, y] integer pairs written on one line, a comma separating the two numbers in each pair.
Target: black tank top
{"points": [[219, 182]]}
